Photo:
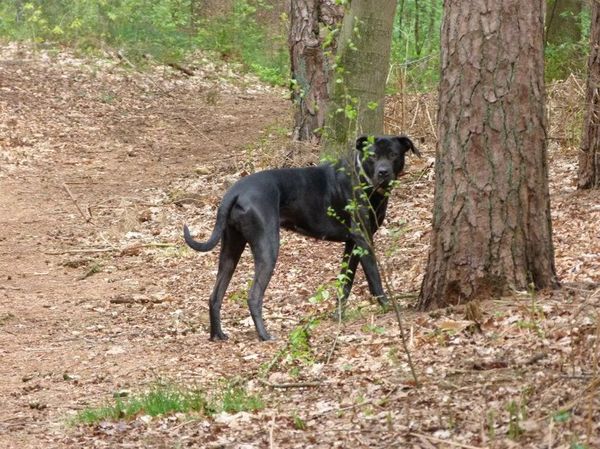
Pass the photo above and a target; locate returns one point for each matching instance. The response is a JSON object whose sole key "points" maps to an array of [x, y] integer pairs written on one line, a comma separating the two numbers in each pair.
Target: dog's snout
{"points": [[383, 172]]}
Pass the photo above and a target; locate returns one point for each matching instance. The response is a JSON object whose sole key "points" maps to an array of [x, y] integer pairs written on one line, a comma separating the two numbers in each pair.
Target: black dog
{"points": [[344, 202]]}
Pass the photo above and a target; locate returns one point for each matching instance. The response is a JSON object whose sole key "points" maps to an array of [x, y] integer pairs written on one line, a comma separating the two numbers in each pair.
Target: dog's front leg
{"points": [[369, 265]]}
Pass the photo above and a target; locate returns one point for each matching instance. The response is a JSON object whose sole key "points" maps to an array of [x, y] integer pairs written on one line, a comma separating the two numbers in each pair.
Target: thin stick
{"points": [[417, 109], [439, 440], [87, 219], [362, 404], [80, 251], [183, 424], [332, 350], [275, 359], [181, 68], [292, 384], [271, 428], [550, 427], [430, 122], [107, 250], [403, 338]]}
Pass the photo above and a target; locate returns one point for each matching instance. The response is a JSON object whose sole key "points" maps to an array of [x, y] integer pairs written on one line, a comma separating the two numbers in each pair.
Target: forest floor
{"points": [[101, 165]]}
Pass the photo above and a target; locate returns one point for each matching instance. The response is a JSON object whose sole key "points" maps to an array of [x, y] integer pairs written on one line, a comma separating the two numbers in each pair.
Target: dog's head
{"points": [[382, 157]]}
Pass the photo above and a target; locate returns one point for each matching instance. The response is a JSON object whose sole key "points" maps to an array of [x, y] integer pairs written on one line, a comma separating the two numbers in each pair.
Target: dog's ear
{"points": [[361, 143], [408, 145]]}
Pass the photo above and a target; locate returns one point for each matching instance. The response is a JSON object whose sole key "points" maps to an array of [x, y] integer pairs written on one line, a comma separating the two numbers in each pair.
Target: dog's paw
{"points": [[266, 337], [383, 302], [219, 337]]}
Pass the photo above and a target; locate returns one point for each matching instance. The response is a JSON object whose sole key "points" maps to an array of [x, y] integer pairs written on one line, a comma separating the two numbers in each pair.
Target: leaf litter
{"points": [[143, 153]]}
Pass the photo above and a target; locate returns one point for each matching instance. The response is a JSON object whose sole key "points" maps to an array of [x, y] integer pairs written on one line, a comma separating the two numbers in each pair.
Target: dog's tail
{"points": [[222, 214]]}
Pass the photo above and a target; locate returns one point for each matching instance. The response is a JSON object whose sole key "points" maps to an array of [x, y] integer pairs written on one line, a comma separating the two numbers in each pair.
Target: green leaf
{"points": [[562, 416]]}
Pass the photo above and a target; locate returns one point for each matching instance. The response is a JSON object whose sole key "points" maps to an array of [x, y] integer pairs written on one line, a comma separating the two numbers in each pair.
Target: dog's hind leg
{"points": [[232, 247], [265, 249]]}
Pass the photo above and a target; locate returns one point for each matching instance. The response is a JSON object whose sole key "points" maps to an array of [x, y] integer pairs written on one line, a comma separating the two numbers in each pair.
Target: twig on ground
{"points": [[203, 135], [292, 384], [111, 249], [271, 428], [183, 424], [535, 358], [448, 442], [80, 250], [375, 401], [87, 219], [332, 350], [123, 58], [275, 359], [181, 68], [95, 268], [589, 389]]}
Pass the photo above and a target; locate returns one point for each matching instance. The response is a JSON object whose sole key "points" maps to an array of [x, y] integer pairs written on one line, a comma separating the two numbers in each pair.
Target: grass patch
{"points": [[159, 400], [165, 399], [235, 398]]}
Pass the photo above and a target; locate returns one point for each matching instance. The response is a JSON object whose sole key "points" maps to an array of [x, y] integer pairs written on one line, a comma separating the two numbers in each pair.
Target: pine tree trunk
{"points": [[309, 65], [491, 221], [362, 64], [589, 157]]}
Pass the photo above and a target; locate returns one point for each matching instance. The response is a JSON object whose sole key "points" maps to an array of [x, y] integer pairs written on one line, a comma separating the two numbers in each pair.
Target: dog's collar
{"points": [[363, 173], [361, 170]]}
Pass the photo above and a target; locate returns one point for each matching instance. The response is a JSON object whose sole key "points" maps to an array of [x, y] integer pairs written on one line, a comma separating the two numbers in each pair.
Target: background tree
{"points": [[310, 66], [566, 38], [362, 65], [491, 220], [563, 23], [589, 158]]}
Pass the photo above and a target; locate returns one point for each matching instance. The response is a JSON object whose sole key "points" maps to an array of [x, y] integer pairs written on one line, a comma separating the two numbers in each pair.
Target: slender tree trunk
{"points": [[400, 18], [563, 23], [310, 66], [418, 43], [491, 221], [589, 157], [362, 65]]}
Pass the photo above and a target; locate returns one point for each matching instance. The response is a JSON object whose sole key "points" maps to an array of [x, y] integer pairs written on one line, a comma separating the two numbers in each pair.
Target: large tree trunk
{"points": [[589, 157], [491, 221], [310, 65], [362, 64]]}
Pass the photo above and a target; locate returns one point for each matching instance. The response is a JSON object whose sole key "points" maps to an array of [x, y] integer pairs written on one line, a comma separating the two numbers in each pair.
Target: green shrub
{"points": [[239, 36], [165, 29]]}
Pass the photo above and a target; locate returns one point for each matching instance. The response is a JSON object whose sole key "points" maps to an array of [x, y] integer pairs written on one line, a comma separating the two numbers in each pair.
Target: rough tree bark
{"points": [[310, 65], [362, 64], [491, 221], [589, 157]]}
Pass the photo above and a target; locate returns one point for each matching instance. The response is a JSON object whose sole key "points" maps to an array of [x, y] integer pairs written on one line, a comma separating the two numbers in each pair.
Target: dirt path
{"points": [[115, 140]]}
